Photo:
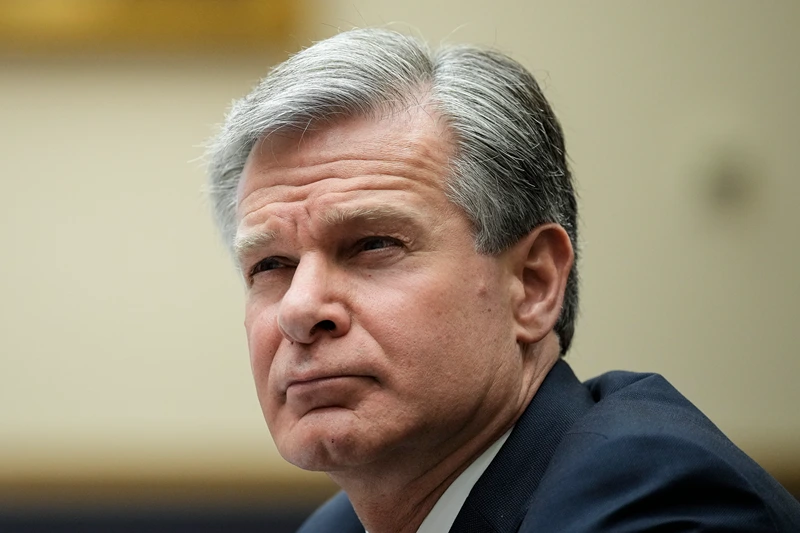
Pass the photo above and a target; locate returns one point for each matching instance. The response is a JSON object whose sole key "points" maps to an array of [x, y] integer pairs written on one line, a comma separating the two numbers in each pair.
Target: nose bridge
{"points": [[309, 276], [310, 307]]}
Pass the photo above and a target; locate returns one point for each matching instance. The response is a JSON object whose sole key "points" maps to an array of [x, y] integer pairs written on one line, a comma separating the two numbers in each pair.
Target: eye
{"points": [[267, 264], [377, 243]]}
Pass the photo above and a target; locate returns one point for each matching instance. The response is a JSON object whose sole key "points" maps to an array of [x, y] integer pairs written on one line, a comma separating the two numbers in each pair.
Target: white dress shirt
{"points": [[444, 513]]}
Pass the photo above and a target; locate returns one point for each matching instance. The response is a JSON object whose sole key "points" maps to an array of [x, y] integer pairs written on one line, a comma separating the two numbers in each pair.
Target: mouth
{"points": [[343, 391], [321, 381]]}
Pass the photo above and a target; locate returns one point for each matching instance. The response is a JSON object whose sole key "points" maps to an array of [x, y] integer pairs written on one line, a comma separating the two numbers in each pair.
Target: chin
{"points": [[323, 443], [324, 454]]}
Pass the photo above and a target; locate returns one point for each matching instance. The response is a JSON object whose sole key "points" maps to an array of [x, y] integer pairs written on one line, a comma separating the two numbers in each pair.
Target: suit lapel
{"points": [[499, 500]]}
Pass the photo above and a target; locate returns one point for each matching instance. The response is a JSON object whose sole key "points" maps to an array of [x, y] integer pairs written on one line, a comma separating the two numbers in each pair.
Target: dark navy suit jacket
{"points": [[623, 452]]}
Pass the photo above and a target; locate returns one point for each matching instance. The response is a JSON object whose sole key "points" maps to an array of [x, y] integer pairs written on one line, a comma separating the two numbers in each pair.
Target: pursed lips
{"points": [[318, 380], [309, 394]]}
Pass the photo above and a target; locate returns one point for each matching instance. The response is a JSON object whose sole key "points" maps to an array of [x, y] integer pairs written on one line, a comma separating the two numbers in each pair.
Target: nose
{"points": [[312, 307]]}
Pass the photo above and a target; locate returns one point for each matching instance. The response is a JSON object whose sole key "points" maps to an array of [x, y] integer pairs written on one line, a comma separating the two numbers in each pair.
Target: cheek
{"points": [[263, 339], [433, 325]]}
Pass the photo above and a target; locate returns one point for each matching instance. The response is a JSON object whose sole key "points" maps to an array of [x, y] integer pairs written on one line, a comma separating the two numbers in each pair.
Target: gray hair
{"points": [[509, 172]]}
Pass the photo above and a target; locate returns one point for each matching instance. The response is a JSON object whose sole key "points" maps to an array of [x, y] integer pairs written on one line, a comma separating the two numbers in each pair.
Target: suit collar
{"points": [[499, 499]]}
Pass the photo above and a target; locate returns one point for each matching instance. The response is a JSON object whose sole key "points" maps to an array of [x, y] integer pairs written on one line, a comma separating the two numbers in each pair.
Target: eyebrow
{"points": [[246, 244], [338, 216]]}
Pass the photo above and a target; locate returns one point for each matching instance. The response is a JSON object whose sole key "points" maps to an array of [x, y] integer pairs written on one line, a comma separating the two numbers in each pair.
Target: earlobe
{"points": [[542, 262]]}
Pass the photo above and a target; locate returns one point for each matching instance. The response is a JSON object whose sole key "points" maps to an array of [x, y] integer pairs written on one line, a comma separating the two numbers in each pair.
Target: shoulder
{"points": [[644, 457], [335, 516]]}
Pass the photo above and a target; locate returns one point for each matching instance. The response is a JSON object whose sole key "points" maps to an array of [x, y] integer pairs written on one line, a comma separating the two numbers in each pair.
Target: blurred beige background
{"points": [[122, 353]]}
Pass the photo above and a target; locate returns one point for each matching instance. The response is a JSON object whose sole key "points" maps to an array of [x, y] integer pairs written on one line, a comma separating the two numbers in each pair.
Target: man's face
{"points": [[376, 332]]}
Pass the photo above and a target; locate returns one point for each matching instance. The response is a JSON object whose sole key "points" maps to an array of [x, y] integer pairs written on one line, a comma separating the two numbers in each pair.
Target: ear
{"points": [[541, 262]]}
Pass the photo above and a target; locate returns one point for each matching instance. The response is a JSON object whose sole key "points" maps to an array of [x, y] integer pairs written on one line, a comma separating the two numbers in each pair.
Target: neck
{"points": [[392, 502], [396, 495]]}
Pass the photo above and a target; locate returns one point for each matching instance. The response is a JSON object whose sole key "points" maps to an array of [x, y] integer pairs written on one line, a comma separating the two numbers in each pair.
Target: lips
{"points": [[315, 381], [309, 380], [327, 391]]}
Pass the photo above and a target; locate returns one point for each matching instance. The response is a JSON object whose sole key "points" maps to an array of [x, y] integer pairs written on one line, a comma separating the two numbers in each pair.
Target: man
{"points": [[405, 224]]}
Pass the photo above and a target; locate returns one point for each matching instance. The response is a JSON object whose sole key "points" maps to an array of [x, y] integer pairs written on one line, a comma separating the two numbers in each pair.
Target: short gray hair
{"points": [[509, 172]]}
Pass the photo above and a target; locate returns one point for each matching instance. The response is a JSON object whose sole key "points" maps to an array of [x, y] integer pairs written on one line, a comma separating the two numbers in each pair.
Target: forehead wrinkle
{"points": [[292, 181], [413, 154], [265, 202], [338, 215]]}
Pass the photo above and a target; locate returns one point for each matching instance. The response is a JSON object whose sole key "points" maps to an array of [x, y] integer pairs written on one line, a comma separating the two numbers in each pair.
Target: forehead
{"points": [[410, 145]]}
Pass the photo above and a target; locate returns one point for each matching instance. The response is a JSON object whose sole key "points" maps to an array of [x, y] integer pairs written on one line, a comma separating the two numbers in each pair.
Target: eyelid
{"points": [[252, 271], [388, 238]]}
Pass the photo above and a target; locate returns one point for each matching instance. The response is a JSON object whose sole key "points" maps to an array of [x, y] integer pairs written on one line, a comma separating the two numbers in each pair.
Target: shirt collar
{"points": [[444, 513]]}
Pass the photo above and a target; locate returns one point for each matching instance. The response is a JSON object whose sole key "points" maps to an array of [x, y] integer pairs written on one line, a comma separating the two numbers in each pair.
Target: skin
{"points": [[386, 351]]}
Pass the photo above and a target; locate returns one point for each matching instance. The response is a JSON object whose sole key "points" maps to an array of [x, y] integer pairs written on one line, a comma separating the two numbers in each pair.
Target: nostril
{"points": [[327, 325]]}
